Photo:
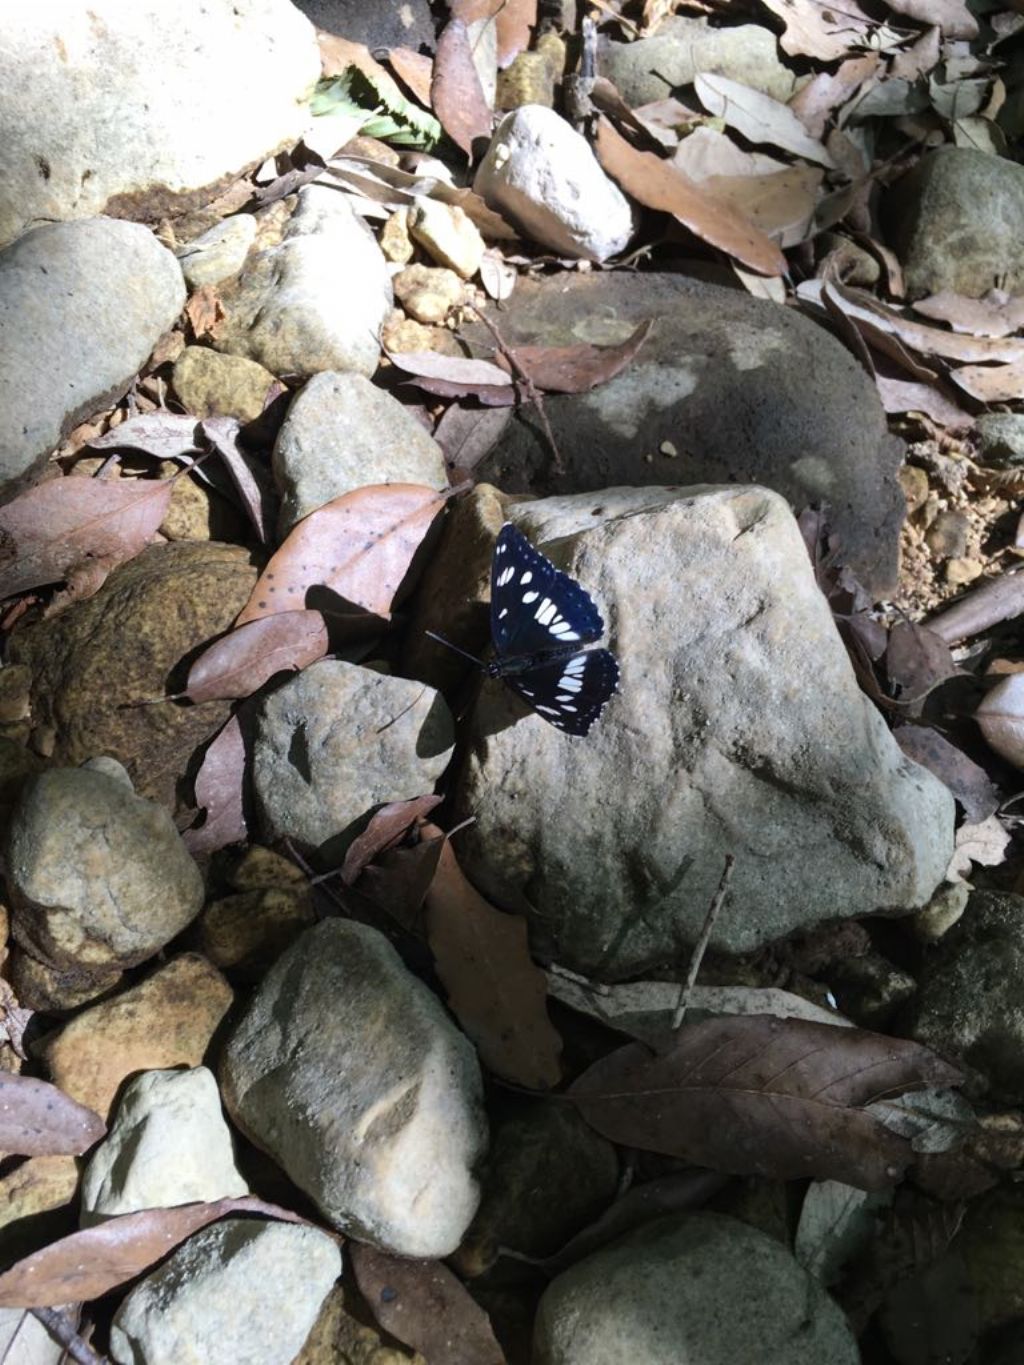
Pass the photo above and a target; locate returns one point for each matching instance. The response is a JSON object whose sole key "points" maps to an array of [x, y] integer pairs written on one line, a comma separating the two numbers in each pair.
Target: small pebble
{"points": [[960, 571], [914, 482], [668, 449]]}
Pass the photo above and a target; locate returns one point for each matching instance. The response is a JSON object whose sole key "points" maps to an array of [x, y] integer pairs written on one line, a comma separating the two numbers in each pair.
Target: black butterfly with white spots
{"points": [[540, 618]]}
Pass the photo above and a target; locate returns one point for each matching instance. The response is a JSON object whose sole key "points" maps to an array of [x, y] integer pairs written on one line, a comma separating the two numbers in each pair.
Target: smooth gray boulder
{"points": [[725, 389], [81, 307], [242, 1290], [314, 301], [168, 1145], [349, 1072], [140, 110], [341, 433], [738, 728], [691, 1289], [955, 221], [338, 740]]}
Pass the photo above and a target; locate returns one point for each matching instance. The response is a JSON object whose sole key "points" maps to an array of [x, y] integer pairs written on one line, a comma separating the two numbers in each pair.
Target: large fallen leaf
{"points": [[822, 31], [916, 661], [495, 990], [656, 184], [426, 1307], [86, 1265], [907, 395], [37, 1119], [66, 525], [219, 792], [871, 316], [514, 20], [467, 435], [240, 662], [575, 369], [415, 69], [456, 95], [455, 369], [387, 826], [763, 1096], [359, 546], [758, 117], [968, 782], [997, 315], [165, 435], [991, 383]]}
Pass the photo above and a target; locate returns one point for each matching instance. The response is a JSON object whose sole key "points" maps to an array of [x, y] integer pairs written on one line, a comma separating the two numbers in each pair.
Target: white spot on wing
{"points": [[527, 577], [530, 596], [546, 612]]}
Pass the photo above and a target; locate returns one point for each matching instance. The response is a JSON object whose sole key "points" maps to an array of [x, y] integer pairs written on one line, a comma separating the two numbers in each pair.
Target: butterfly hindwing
{"points": [[569, 693], [534, 606]]}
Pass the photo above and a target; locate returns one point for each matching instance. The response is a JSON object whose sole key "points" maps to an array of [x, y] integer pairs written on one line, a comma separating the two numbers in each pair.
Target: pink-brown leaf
{"points": [[66, 523], [576, 369], [219, 792], [359, 545], [37, 1119], [387, 826], [414, 69], [456, 94], [240, 662]]}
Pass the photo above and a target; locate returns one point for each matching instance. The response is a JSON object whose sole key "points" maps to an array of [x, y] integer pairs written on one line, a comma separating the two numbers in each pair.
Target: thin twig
{"points": [[532, 392], [60, 1327], [700, 947]]}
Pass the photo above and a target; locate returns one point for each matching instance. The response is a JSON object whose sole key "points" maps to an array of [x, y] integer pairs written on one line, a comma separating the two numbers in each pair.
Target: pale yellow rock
{"points": [[447, 235], [428, 293], [395, 241]]}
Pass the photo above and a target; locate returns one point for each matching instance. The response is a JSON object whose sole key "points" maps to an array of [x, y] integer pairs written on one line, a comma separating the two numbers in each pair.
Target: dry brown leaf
{"points": [[219, 792], [497, 276], [426, 1307], [758, 117], [456, 95], [37, 1119], [466, 435], [903, 395], [916, 661], [951, 16], [579, 368], [359, 546], [515, 21], [866, 311], [985, 842], [61, 527], [822, 31], [815, 102], [453, 369], [13, 1018], [658, 185], [991, 383], [754, 1095], [495, 990], [415, 69], [240, 662], [204, 310], [968, 782], [164, 435], [919, 59], [387, 826], [996, 315], [86, 1265]]}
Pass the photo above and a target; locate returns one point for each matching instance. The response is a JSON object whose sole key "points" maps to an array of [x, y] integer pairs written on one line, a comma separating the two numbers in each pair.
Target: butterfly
{"points": [[540, 618]]}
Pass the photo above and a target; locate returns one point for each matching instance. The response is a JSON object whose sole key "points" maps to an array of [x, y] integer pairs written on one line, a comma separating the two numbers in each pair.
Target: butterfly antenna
{"points": [[442, 641]]}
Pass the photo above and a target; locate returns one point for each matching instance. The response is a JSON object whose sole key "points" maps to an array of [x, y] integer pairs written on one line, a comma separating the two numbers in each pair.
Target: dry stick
{"points": [[531, 389], [997, 601], [60, 1327], [700, 947]]}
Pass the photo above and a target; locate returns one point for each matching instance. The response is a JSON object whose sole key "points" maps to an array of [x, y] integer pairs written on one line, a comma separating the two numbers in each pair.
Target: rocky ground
{"points": [[653, 1004]]}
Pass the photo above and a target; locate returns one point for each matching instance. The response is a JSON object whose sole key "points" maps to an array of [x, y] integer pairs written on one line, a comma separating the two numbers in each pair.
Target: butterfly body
{"points": [[540, 621]]}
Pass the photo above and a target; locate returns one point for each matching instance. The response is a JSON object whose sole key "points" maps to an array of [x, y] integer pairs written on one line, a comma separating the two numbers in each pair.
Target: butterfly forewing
{"points": [[569, 693], [534, 606]]}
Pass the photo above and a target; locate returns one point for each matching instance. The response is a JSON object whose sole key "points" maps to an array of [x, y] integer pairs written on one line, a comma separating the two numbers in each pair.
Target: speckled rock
{"points": [[210, 384], [219, 252]]}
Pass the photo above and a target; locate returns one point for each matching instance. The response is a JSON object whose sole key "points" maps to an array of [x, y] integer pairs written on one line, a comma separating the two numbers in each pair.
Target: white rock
{"points": [[347, 1069], [342, 432], [240, 1292], [81, 307], [337, 740], [218, 253], [695, 1287], [738, 728], [168, 1145], [146, 103], [315, 301], [543, 176]]}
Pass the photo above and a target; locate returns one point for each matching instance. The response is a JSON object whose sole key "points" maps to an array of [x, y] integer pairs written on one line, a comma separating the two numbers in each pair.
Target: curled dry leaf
{"points": [[906, 395], [658, 185], [219, 792], [868, 314], [998, 315], [415, 70], [456, 95], [223, 433], [359, 546], [496, 991], [65, 525], [497, 276], [452, 368], [399, 880], [985, 842], [86, 1265], [1000, 718], [387, 826], [815, 102], [916, 661], [37, 1119], [758, 117], [165, 435], [466, 435], [762, 1096], [991, 383], [425, 1306], [816, 30], [579, 368], [240, 662]]}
